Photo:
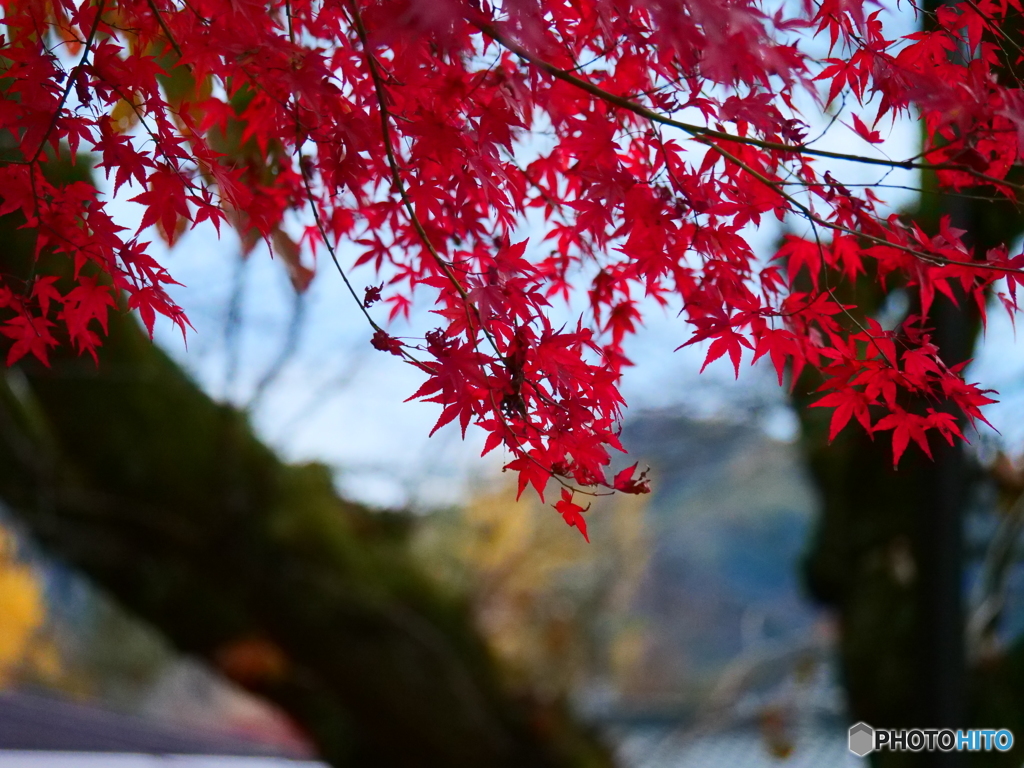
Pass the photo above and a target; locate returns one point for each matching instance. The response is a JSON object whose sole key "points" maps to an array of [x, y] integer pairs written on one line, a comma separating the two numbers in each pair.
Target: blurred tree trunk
{"points": [[887, 553], [168, 501]]}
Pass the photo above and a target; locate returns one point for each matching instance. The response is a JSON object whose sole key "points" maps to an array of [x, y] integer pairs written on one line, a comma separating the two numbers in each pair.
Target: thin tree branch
{"points": [[698, 131], [75, 74]]}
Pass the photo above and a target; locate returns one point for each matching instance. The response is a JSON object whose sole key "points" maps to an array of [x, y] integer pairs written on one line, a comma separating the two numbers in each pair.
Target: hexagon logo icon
{"points": [[862, 739]]}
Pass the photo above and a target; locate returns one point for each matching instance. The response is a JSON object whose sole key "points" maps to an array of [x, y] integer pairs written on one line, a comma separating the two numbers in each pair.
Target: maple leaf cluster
{"points": [[427, 134]]}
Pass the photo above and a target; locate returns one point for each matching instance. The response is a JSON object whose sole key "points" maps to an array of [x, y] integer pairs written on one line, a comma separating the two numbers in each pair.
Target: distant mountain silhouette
{"points": [[728, 517]]}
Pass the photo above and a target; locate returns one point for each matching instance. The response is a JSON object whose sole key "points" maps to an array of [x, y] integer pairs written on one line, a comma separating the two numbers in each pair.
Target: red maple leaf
{"points": [[572, 512]]}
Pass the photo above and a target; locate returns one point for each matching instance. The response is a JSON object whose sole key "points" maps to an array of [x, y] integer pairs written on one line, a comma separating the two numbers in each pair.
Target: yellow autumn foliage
{"points": [[22, 612], [553, 607]]}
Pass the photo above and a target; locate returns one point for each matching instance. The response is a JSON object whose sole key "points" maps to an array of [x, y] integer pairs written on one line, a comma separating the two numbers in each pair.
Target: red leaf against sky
{"points": [[426, 135]]}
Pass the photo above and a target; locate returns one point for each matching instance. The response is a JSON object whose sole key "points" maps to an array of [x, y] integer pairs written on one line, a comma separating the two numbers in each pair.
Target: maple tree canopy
{"points": [[645, 137]]}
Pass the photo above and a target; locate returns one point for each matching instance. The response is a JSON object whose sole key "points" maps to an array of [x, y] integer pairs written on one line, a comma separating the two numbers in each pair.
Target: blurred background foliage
{"points": [[23, 612], [550, 605]]}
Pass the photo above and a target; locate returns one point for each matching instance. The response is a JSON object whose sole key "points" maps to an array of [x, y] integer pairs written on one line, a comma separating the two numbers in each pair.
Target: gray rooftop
{"points": [[33, 722]]}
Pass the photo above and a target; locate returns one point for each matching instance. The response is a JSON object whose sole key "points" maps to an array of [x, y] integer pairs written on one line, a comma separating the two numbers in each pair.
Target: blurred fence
{"points": [[816, 746]]}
